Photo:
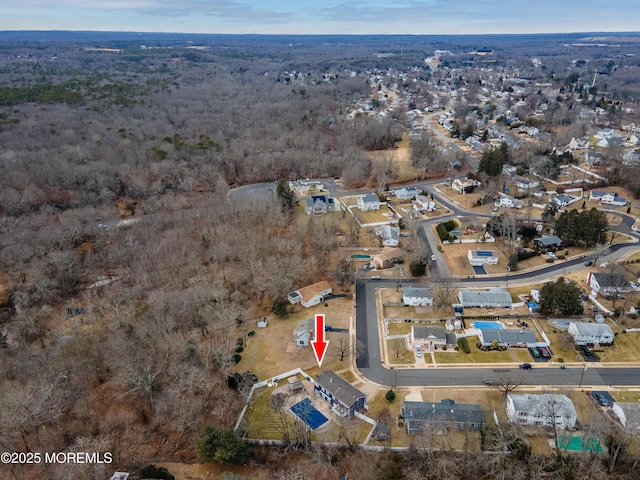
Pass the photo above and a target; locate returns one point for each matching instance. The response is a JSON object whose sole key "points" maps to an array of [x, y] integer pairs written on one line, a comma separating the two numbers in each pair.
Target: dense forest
{"points": [[120, 336]]}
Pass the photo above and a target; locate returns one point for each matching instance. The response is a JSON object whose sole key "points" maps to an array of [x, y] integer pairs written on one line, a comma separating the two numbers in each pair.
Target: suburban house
{"points": [[578, 143], [508, 338], [418, 297], [631, 157], [607, 198], [304, 187], [390, 235], [406, 193], [387, 258], [479, 258], [303, 332], [593, 159], [369, 202], [344, 398], [508, 201], [584, 333], [628, 414], [562, 200], [491, 298], [524, 183], [311, 295], [607, 284], [423, 203], [464, 185], [319, 204], [432, 338], [548, 243], [444, 415], [544, 410]]}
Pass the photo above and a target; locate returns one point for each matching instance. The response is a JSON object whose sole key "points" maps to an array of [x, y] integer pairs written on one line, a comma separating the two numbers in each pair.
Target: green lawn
{"points": [[262, 420]]}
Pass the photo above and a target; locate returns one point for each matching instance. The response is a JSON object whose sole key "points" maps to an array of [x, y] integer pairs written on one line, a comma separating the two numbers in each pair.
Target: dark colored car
{"points": [[585, 350], [489, 382], [602, 400], [588, 264], [525, 366]]}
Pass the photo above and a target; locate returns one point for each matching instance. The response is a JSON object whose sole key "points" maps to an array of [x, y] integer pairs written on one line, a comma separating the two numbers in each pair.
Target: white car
{"points": [[433, 258], [418, 352], [375, 277]]}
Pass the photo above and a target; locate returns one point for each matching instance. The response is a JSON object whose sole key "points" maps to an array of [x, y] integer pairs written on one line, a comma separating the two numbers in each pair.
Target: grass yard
{"points": [[268, 352], [374, 216], [419, 312], [401, 328], [262, 420], [478, 356], [399, 354]]}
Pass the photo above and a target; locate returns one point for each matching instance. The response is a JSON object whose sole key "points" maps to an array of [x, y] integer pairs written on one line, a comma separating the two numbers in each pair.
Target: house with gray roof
{"points": [[369, 202], [319, 204], [413, 296], [628, 414], [545, 409], [548, 243], [432, 338], [390, 235], [584, 333], [302, 332], [406, 193], [344, 398], [607, 283], [508, 338], [489, 298], [444, 415]]}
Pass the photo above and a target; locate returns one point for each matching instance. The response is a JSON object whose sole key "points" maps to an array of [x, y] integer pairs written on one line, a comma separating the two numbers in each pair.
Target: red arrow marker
{"points": [[318, 343]]}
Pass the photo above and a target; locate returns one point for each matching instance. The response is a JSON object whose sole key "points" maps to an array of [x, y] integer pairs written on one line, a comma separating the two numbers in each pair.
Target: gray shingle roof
{"points": [[494, 296], [445, 411], [414, 292], [509, 336], [593, 329], [341, 390], [610, 280], [550, 240], [426, 332]]}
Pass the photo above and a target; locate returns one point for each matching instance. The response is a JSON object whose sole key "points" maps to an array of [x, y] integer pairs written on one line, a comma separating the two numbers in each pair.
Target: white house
{"points": [[593, 159], [463, 184], [525, 184], [303, 332], [490, 298], [479, 258], [631, 157], [578, 143], [369, 202], [406, 193], [607, 198], [562, 200], [606, 133], [541, 410], [311, 295], [422, 297], [584, 333], [390, 235], [509, 202], [424, 203], [628, 414], [607, 283]]}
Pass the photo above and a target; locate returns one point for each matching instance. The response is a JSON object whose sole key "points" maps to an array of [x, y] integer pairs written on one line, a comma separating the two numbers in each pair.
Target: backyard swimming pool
{"points": [[309, 414], [488, 325], [561, 323]]}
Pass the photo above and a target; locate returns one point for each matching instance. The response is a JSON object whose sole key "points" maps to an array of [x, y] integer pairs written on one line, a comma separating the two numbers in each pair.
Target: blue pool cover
{"points": [[488, 325], [309, 414]]}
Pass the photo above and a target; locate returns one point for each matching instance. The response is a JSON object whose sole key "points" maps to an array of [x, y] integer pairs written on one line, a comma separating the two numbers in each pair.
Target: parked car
{"points": [[602, 400], [535, 352], [545, 352], [525, 366], [585, 350], [588, 264], [418, 352], [433, 258], [375, 277]]}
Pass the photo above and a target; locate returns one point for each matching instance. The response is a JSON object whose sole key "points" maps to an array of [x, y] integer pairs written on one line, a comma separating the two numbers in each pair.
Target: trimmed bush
{"points": [[390, 396], [463, 344]]}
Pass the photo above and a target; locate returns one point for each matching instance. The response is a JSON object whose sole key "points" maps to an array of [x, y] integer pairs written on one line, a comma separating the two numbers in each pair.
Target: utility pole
{"points": [[582, 376]]}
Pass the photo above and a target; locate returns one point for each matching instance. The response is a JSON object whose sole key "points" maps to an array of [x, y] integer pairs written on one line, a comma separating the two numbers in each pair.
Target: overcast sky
{"points": [[323, 16]]}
